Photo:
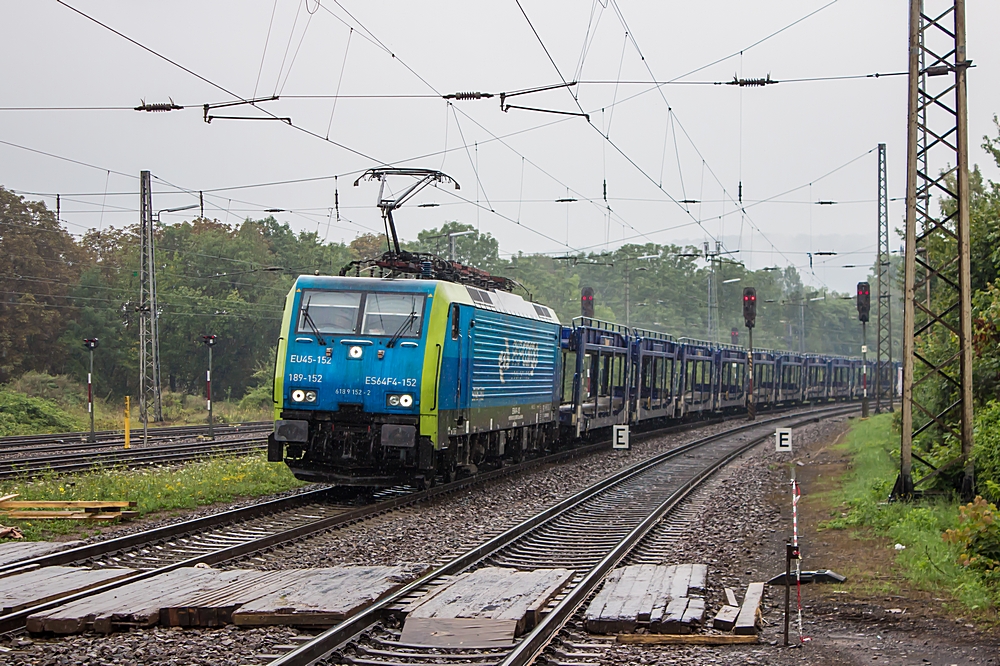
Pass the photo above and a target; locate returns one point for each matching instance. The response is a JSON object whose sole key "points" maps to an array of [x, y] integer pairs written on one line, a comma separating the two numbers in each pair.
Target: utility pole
{"points": [[938, 67], [90, 344], [864, 308], [750, 319], [149, 339], [713, 292], [884, 375], [209, 341]]}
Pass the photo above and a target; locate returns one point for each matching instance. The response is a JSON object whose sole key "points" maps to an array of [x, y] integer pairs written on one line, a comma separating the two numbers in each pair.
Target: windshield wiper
{"points": [[410, 318], [307, 318]]}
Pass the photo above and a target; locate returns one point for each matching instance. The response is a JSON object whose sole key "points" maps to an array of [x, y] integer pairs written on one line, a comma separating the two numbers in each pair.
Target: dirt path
{"points": [[876, 617]]}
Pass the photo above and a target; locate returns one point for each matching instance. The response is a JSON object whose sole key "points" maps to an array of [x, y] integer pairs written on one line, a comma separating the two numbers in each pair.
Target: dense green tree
{"points": [[39, 263]]}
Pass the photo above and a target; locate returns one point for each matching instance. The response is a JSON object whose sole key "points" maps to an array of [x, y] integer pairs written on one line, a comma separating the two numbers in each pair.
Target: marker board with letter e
{"points": [[620, 437], [783, 439]]}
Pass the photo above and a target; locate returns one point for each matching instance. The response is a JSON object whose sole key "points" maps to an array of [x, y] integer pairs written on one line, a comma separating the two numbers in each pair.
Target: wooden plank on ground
{"points": [[699, 577], [15, 551], [64, 504], [664, 598], [731, 597], [746, 621], [688, 639], [660, 580], [36, 586], [725, 619], [322, 597], [64, 515], [492, 593], [457, 632], [214, 607], [681, 582], [673, 617], [695, 612], [134, 605]]}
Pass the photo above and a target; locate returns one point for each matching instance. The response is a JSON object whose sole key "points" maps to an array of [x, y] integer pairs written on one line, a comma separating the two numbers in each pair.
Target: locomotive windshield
{"points": [[372, 313], [392, 314]]}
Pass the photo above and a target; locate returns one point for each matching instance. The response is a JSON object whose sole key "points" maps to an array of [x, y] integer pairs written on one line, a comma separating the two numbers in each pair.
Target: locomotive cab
{"points": [[350, 387]]}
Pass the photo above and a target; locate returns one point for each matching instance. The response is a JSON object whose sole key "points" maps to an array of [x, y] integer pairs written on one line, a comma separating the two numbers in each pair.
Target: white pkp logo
{"points": [[518, 360]]}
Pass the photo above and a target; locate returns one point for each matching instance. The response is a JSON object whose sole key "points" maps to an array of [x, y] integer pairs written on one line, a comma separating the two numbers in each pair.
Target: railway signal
{"points": [[864, 306], [90, 344], [209, 341], [734, 336], [749, 307], [864, 302], [750, 319], [587, 302]]}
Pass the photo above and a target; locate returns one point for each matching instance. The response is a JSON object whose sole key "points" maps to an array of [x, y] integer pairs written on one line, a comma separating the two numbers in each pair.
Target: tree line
{"points": [[230, 280]]}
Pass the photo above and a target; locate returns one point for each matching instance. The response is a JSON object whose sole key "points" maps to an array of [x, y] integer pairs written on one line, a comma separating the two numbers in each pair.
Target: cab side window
{"points": [[456, 325]]}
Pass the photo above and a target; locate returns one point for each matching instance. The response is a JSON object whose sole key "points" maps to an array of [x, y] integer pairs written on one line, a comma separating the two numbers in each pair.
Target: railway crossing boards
{"points": [[620, 437], [783, 439]]}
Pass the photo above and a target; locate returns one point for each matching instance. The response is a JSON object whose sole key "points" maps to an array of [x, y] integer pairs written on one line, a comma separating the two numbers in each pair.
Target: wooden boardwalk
{"points": [[661, 599], [204, 597], [485, 607]]}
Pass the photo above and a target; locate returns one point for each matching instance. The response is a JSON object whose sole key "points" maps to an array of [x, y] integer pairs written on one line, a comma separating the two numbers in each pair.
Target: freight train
{"points": [[385, 381]]}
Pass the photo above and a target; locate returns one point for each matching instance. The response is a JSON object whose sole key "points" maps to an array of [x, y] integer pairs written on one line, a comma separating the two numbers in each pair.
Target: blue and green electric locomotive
{"points": [[382, 381]]}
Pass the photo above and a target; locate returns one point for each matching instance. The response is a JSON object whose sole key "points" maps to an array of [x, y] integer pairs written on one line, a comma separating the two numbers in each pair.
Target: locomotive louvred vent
{"points": [[542, 311]]}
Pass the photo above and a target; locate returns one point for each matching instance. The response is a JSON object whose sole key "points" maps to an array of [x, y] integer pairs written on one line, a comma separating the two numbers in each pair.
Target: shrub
{"points": [[24, 415], [978, 534], [987, 451], [59, 389]]}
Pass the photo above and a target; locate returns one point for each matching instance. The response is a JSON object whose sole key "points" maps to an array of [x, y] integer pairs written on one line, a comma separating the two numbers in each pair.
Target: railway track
{"points": [[590, 533], [78, 440], [162, 454], [240, 532]]}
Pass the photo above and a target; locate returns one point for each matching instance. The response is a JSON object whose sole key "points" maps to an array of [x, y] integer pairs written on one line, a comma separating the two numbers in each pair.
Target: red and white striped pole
{"points": [[90, 344], [209, 341]]}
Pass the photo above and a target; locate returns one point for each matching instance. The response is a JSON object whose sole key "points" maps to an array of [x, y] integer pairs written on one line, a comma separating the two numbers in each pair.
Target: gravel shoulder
{"points": [[740, 529]]}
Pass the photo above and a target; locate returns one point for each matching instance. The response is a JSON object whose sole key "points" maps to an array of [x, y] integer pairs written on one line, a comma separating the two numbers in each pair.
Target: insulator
{"points": [[469, 95], [159, 106]]}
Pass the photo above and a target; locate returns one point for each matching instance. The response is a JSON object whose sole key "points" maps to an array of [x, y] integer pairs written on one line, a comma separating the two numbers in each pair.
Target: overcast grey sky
{"points": [[692, 141]]}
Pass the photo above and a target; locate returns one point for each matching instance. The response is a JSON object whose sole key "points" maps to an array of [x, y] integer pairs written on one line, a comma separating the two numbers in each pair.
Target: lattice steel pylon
{"points": [[937, 333], [149, 339], [885, 378]]}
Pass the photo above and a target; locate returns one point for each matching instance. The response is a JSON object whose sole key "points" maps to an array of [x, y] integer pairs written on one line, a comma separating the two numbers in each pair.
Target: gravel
{"points": [[731, 516], [438, 530], [228, 646], [428, 533]]}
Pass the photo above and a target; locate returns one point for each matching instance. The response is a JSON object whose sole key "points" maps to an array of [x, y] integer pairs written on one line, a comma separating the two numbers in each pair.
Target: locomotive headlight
{"points": [[405, 400], [393, 400], [298, 395], [310, 396], [355, 352]]}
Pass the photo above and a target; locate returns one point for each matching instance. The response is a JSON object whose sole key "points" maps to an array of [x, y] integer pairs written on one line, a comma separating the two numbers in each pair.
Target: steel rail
{"points": [[332, 639], [535, 641], [112, 436], [15, 621], [13, 468]]}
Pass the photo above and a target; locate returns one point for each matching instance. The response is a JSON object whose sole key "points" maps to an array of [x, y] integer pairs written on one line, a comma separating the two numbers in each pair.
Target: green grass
{"points": [[37, 403], [928, 562], [155, 490]]}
